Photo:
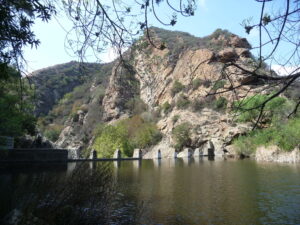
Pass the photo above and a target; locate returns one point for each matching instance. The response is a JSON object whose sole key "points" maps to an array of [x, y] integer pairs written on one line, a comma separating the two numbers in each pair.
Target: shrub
{"points": [[175, 118], [218, 85], [273, 108], [136, 105], [220, 103], [126, 135], [182, 102], [112, 138], [53, 132], [196, 83], [166, 107], [198, 105], [177, 87], [181, 135], [286, 136]]}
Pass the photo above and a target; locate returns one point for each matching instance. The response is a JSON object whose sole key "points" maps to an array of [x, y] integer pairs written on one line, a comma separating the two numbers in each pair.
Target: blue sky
{"points": [[210, 15]]}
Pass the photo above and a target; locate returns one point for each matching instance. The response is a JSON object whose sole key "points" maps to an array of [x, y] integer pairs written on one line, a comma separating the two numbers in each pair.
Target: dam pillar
{"points": [[137, 153], [159, 154], [117, 154]]}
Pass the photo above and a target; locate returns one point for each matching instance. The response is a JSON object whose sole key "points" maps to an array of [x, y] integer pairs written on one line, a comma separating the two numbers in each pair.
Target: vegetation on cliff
{"points": [[74, 95], [126, 135], [275, 128], [284, 134]]}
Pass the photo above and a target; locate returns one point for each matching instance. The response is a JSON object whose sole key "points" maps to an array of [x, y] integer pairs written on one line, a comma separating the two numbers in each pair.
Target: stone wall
{"points": [[32, 155]]}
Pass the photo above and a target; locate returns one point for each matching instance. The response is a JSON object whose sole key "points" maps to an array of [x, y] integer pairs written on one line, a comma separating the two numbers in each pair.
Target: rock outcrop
{"points": [[275, 154]]}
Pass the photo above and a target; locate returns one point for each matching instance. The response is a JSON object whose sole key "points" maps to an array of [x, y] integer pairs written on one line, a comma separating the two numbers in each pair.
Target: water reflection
{"points": [[160, 191]]}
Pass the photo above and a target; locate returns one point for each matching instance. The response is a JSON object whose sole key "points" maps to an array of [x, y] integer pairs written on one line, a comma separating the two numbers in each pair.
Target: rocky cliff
{"points": [[198, 70], [183, 82]]}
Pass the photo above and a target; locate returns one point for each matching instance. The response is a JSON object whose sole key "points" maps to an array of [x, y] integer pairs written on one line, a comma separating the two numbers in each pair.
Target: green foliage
{"points": [[209, 102], [181, 135], [53, 132], [166, 107], [274, 108], [177, 87], [182, 102], [126, 135], [196, 83], [69, 81], [16, 117], [285, 135], [136, 106], [112, 138], [175, 118], [220, 103], [81, 77], [17, 18], [218, 85]]}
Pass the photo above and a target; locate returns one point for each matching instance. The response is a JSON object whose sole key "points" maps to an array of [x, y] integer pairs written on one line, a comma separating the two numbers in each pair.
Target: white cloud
{"points": [[285, 70]]}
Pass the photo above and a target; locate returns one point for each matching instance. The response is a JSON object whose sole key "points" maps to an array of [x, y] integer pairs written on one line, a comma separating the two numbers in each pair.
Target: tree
{"points": [[16, 20], [16, 116], [98, 24], [275, 29]]}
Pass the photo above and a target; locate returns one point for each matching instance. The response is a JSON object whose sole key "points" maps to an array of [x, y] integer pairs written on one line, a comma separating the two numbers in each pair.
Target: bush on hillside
{"points": [[196, 83], [181, 135], [52, 132], [182, 102], [177, 87], [136, 106], [126, 135], [274, 108], [166, 107], [220, 103], [285, 135], [218, 85]]}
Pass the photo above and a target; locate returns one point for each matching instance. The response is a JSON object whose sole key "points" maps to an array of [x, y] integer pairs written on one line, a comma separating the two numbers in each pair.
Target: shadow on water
{"points": [[175, 191], [77, 193]]}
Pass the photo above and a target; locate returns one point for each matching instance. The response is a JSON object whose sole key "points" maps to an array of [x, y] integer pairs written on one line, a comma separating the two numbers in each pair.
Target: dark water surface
{"points": [[188, 191]]}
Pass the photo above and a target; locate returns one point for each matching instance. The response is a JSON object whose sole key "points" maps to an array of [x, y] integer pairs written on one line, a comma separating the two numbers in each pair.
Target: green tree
{"points": [[16, 20], [16, 116], [181, 135]]}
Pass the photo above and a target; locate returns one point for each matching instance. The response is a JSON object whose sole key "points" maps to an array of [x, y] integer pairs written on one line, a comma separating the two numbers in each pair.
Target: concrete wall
{"points": [[33, 155]]}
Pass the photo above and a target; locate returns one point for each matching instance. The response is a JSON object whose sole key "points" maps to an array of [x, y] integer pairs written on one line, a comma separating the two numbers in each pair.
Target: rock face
{"points": [[275, 154], [151, 74], [122, 87]]}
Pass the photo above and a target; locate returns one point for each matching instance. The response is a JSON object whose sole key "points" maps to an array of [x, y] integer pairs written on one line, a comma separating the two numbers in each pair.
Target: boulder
{"points": [[227, 55], [275, 154], [186, 153]]}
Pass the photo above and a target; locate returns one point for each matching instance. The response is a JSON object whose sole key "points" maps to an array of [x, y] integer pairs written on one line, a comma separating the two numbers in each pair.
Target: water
{"points": [[177, 191]]}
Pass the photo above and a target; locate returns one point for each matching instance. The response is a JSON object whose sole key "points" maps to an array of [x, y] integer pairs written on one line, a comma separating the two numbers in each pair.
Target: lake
{"points": [[181, 191]]}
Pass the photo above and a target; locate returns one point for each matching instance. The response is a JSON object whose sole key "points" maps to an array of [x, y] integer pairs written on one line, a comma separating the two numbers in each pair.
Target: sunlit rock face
{"points": [[156, 74]]}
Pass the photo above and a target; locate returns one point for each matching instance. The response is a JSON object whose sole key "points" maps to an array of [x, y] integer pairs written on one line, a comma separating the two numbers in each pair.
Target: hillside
{"points": [[170, 98], [63, 89]]}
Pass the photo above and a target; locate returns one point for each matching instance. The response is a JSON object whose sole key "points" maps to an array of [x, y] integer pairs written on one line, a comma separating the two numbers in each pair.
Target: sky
{"points": [[210, 15]]}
